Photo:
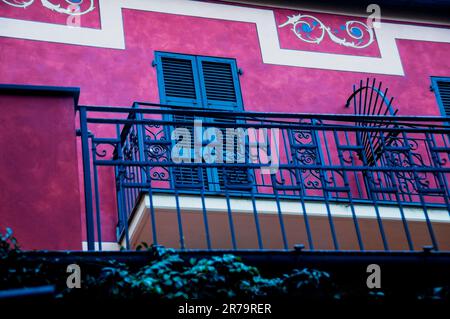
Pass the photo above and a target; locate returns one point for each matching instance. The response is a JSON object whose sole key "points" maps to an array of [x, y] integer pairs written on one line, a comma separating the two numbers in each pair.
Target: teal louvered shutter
{"points": [[219, 83], [441, 87], [220, 90], [187, 176], [178, 79], [179, 85]]}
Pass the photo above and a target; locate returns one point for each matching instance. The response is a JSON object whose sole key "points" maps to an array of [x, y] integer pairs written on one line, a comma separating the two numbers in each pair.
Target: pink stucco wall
{"points": [[39, 194], [118, 77]]}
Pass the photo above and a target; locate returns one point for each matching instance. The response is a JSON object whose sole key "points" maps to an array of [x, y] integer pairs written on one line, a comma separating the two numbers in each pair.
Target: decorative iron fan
{"points": [[369, 99]]}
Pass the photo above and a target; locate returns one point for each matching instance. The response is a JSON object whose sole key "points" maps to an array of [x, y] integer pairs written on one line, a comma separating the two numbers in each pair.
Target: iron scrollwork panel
{"points": [[157, 149], [304, 150], [404, 154]]}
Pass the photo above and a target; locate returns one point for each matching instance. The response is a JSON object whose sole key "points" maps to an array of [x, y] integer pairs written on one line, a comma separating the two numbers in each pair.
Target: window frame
{"points": [[202, 101], [163, 98], [435, 89], [235, 73]]}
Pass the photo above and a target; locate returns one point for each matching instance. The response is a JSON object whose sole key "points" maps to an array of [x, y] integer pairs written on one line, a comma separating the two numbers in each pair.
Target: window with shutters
{"points": [[209, 83], [441, 88]]}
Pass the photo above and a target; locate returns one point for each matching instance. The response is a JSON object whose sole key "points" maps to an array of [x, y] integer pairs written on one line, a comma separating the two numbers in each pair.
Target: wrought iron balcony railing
{"points": [[356, 167]]}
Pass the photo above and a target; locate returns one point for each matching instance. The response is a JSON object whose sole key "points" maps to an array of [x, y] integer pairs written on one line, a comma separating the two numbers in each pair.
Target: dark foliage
{"points": [[170, 277]]}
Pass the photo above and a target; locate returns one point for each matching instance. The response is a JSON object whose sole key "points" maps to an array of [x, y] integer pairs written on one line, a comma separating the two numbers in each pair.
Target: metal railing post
{"points": [[87, 179]]}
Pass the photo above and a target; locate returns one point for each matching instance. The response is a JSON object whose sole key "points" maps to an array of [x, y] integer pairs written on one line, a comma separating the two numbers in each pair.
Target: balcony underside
{"points": [[214, 212]]}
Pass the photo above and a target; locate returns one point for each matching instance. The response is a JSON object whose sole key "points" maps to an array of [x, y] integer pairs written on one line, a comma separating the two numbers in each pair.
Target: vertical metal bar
{"points": [[256, 218], [280, 219], [402, 214], [359, 100], [292, 174], [120, 224], [179, 219], [97, 195], [349, 193], [120, 189], [326, 195], [330, 217], [355, 173], [301, 184], [369, 189], [205, 213], [252, 193], [419, 191], [152, 212], [122, 211], [366, 108], [137, 169], [330, 160], [371, 95], [374, 133], [87, 179], [399, 202], [303, 207], [248, 159], [436, 160], [277, 198], [230, 216], [146, 176], [126, 192], [133, 173], [446, 140]]}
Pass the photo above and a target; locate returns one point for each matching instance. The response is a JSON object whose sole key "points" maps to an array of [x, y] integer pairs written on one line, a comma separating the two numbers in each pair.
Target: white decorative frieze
{"points": [[310, 29], [55, 7], [112, 35]]}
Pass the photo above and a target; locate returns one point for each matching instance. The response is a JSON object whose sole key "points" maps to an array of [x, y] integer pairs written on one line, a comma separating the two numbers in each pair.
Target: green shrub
{"points": [[216, 277], [14, 273], [169, 277]]}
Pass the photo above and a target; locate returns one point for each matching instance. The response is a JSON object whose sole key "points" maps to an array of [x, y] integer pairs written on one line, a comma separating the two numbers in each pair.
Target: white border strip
{"points": [[218, 204], [293, 207], [112, 34], [319, 8], [106, 246]]}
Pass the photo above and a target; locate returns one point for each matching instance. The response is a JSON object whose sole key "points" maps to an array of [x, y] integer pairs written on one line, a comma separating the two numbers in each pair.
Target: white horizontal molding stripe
{"points": [[106, 246], [218, 204], [111, 34]]}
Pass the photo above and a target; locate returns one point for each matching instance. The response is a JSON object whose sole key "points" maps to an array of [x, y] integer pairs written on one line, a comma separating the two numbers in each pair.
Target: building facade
{"points": [[106, 105]]}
